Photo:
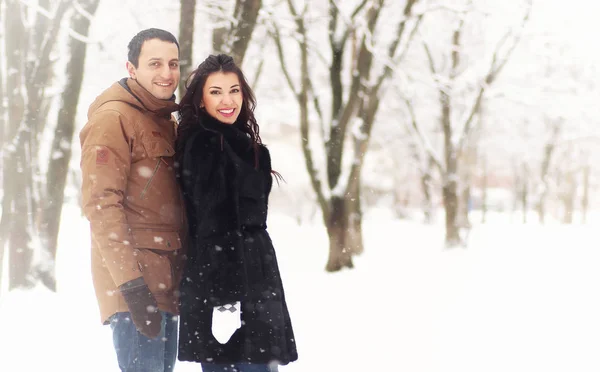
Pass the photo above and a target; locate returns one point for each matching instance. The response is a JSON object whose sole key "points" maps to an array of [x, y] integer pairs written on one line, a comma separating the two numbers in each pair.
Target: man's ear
{"points": [[131, 69]]}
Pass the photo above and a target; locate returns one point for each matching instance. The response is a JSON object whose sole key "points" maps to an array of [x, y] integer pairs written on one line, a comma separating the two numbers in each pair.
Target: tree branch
{"points": [[427, 147], [491, 76], [349, 22], [277, 39], [388, 69], [302, 96], [429, 58]]}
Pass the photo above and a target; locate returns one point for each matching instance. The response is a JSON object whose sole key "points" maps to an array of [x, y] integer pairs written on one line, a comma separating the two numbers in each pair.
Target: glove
{"points": [[142, 306], [226, 320]]}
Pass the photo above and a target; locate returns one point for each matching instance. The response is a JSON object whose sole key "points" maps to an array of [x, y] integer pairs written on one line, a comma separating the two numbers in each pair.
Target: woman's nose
{"points": [[227, 99]]}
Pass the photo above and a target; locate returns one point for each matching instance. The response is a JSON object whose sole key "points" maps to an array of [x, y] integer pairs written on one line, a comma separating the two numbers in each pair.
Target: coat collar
{"points": [[161, 107]]}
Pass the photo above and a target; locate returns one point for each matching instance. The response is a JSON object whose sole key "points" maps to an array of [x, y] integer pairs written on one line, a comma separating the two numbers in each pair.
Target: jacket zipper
{"points": [[151, 177]]}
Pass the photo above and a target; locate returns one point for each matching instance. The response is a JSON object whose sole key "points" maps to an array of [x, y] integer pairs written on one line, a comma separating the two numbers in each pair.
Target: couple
{"points": [[182, 263]]}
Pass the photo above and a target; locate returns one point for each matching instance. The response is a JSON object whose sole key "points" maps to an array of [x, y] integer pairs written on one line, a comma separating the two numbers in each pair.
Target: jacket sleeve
{"points": [[105, 167]]}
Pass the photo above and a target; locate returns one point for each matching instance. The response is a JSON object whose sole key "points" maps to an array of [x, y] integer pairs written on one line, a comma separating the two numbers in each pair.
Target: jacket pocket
{"points": [[156, 269], [147, 185], [158, 149], [157, 240]]}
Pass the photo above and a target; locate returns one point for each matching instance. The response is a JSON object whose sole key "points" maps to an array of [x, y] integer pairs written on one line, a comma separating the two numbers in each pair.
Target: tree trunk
{"points": [[426, 188], [450, 196], [525, 199], [14, 223], [20, 235], [541, 210], [585, 199], [58, 167], [484, 190], [450, 188], [465, 199], [545, 169], [27, 54], [354, 235], [3, 99], [187, 18], [219, 34], [233, 39], [246, 12], [339, 254], [569, 197]]}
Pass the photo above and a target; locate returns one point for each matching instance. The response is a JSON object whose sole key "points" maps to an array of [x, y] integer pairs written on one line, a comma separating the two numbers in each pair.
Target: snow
{"points": [[520, 298]]}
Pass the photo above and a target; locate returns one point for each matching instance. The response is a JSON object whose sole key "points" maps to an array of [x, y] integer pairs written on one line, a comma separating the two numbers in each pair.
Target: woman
{"points": [[225, 174]]}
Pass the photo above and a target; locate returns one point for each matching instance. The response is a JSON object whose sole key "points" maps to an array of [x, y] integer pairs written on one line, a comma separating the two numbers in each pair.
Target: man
{"points": [[132, 200]]}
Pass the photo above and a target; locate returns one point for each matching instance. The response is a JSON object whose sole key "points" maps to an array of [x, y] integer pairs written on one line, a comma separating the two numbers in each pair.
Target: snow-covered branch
{"points": [[281, 55], [423, 140], [349, 21], [80, 10], [496, 66], [38, 9]]}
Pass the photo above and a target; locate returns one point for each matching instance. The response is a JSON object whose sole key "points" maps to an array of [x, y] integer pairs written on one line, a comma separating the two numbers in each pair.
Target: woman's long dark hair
{"points": [[189, 109]]}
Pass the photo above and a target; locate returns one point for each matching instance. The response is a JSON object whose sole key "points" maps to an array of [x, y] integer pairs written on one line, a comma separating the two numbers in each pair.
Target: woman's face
{"points": [[222, 96]]}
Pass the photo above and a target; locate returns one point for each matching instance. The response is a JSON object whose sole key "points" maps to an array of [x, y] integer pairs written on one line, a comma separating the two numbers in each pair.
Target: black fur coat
{"points": [[226, 185]]}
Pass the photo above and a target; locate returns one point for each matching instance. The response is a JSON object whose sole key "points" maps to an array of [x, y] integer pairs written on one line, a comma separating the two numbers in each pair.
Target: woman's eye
{"points": [[236, 90], [214, 92]]}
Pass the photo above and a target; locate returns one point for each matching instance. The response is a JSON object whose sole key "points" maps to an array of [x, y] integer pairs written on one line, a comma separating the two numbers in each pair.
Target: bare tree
{"points": [[233, 28], [456, 134], [585, 198], [543, 188], [522, 178], [58, 167], [31, 34], [352, 112], [187, 18], [3, 104]]}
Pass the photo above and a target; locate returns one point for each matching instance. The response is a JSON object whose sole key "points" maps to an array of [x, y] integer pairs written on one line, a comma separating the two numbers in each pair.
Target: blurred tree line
{"points": [[422, 70]]}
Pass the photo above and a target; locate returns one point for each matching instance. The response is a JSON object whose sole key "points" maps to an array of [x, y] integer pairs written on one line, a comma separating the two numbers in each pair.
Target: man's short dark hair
{"points": [[135, 45]]}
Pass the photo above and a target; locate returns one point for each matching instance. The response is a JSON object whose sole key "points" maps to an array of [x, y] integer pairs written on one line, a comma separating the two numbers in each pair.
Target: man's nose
{"points": [[166, 72]]}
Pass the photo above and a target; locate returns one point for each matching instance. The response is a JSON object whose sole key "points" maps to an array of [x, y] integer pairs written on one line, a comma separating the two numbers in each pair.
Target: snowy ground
{"points": [[521, 298]]}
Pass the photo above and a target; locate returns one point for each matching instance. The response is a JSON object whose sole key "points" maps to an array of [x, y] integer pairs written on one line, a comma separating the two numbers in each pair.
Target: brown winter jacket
{"points": [[130, 195]]}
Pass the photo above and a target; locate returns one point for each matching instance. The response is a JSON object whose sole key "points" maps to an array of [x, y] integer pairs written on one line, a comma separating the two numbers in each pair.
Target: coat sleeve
{"points": [[265, 160], [200, 178], [105, 166]]}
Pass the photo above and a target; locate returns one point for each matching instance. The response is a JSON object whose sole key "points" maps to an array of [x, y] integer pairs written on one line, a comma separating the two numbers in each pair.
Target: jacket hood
{"points": [[129, 91]]}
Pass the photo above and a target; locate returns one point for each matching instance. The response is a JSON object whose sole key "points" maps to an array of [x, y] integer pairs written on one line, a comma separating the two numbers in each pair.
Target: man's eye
{"points": [[174, 64]]}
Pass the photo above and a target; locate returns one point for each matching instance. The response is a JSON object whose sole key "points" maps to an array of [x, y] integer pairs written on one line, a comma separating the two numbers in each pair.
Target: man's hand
{"points": [[142, 306]]}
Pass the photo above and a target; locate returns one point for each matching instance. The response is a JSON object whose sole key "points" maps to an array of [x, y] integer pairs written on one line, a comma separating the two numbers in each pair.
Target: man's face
{"points": [[158, 68]]}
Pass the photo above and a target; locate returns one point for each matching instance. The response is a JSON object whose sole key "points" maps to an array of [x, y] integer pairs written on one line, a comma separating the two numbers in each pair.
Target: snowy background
{"points": [[521, 297]]}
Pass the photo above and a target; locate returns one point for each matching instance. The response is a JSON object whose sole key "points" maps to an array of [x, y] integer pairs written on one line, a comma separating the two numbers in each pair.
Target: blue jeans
{"points": [[138, 353], [239, 367]]}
